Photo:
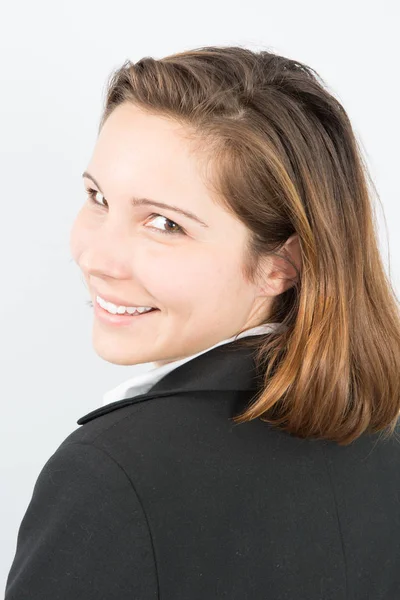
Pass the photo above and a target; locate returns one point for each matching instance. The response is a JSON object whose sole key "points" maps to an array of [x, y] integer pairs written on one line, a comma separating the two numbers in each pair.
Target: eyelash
{"points": [[91, 193]]}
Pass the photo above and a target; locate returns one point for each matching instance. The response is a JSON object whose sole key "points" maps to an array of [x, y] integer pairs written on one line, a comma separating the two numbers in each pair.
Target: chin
{"points": [[116, 354]]}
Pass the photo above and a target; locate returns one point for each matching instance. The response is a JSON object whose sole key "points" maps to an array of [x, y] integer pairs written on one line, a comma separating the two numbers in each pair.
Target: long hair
{"points": [[284, 158]]}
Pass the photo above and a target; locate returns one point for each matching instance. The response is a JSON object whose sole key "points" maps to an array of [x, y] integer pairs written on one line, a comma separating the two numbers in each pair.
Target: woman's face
{"points": [[154, 256]]}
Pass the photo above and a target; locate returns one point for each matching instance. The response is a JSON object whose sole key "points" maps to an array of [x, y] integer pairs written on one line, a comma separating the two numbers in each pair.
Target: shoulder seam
{"points": [[91, 444]]}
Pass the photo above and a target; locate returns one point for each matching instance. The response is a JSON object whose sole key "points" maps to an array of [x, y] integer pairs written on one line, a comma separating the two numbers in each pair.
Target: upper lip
{"points": [[119, 301]]}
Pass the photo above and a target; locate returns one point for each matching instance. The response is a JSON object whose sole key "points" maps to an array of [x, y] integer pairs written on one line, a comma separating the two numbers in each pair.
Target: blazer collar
{"points": [[229, 367]]}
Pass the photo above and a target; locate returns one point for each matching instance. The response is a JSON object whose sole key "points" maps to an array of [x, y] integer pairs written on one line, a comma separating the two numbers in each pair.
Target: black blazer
{"points": [[162, 496]]}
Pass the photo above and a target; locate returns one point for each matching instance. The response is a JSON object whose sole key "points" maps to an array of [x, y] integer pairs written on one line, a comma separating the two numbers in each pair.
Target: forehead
{"points": [[132, 136], [148, 156]]}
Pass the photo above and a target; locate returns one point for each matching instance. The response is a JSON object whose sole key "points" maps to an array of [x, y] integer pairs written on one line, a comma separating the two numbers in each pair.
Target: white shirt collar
{"points": [[142, 382]]}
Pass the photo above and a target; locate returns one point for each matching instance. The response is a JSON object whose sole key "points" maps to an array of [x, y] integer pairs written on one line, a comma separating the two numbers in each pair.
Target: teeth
{"points": [[114, 309]]}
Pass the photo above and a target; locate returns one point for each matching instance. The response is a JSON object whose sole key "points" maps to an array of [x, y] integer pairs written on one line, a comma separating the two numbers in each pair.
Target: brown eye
{"points": [[178, 229]]}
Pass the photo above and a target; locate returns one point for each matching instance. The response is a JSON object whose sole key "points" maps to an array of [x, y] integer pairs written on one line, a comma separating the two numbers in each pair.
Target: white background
{"points": [[55, 58]]}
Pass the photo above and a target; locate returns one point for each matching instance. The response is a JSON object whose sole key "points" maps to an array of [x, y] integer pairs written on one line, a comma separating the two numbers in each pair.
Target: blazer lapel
{"points": [[226, 367]]}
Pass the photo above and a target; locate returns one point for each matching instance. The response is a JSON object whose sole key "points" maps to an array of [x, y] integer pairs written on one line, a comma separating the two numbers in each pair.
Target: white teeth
{"points": [[114, 309]]}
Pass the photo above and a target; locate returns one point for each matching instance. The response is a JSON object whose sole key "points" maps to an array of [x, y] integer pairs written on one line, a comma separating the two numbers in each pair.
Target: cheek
{"points": [[189, 280]]}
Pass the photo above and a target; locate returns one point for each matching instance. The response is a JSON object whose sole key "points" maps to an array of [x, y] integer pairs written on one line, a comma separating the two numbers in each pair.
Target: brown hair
{"points": [[286, 160]]}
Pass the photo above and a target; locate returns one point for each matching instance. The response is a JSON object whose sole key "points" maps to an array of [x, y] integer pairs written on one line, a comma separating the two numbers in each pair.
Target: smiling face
{"points": [[154, 256]]}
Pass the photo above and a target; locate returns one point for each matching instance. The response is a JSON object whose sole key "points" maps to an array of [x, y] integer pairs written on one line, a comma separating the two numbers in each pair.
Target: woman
{"points": [[227, 238]]}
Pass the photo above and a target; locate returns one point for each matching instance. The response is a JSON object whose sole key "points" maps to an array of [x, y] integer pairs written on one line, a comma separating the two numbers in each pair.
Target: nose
{"points": [[108, 253]]}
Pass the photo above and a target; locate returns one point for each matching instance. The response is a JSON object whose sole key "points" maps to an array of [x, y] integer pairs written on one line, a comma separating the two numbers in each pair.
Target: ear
{"points": [[280, 269]]}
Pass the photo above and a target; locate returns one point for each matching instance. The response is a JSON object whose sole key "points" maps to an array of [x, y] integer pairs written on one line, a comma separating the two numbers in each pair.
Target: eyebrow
{"points": [[148, 202]]}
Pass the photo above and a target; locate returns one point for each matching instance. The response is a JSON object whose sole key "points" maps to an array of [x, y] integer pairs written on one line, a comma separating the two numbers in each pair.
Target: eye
{"points": [[92, 193], [177, 231]]}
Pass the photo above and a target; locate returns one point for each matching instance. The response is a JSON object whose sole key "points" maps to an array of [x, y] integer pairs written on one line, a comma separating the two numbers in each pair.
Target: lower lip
{"points": [[121, 320]]}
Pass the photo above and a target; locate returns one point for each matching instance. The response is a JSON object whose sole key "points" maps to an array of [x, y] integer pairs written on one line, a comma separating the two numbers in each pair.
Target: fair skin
{"points": [[193, 278]]}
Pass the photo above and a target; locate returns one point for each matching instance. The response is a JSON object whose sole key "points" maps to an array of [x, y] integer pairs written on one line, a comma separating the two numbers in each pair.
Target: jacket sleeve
{"points": [[84, 535]]}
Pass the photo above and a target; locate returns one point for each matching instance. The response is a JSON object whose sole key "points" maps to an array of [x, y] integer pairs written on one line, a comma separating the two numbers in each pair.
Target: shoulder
{"points": [[84, 523], [150, 438]]}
